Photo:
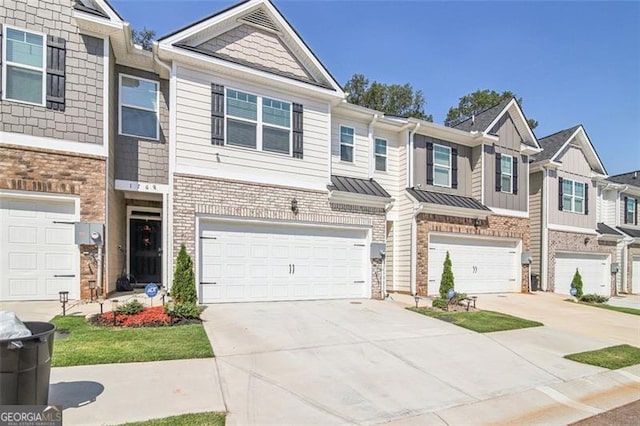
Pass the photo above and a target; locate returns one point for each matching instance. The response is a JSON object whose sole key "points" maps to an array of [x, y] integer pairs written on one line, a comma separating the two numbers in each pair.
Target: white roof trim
{"points": [[342, 197], [243, 9], [108, 10]]}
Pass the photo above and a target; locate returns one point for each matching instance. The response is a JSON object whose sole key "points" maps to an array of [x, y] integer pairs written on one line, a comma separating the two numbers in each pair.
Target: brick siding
{"points": [[54, 173], [493, 226], [215, 197]]}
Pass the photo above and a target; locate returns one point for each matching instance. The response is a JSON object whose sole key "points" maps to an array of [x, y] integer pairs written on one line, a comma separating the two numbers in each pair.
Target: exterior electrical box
{"points": [[89, 233], [615, 268], [526, 258], [378, 250]]}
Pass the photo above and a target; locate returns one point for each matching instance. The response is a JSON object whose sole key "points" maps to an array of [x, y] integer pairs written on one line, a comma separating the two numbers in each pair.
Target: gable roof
{"points": [[485, 120], [554, 145], [260, 17], [100, 8], [630, 178]]}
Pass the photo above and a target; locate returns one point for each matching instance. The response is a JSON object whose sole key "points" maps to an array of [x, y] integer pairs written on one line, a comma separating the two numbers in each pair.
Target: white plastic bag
{"points": [[11, 327]]}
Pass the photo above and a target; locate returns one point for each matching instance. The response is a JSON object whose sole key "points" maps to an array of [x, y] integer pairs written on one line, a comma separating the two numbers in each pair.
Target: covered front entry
{"points": [[594, 268], [145, 245], [39, 257], [480, 265], [258, 261]]}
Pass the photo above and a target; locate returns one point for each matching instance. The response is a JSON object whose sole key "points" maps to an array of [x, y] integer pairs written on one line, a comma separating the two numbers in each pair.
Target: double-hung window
{"points": [[24, 66], [347, 139], [506, 173], [138, 107], [630, 211], [381, 154], [573, 195], [258, 122], [441, 165]]}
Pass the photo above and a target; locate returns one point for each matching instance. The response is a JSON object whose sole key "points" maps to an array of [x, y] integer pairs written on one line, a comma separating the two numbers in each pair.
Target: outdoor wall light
{"points": [[64, 298], [586, 240], [294, 206], [477, 222]]}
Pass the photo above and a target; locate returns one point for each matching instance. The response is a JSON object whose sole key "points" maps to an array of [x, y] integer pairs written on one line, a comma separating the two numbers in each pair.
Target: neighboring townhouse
{"points": [[253, 194], [619, 197], [54, 139], [465, 192], [565, 230]]}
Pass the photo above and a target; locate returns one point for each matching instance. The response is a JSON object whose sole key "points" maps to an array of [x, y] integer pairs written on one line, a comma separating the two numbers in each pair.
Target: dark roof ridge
{"points": [[485, 110]]}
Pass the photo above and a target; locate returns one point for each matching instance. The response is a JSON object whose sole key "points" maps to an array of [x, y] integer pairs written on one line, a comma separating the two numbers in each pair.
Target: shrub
{"points": [[183, 310], [184, 282], [577, 283], [130, 308], [593, 298], [459, 296], [446, 281], [439, 303]]}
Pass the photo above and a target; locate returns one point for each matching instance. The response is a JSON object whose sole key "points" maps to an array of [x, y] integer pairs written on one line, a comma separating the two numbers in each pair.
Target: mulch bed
{"points": [[149, 317]]}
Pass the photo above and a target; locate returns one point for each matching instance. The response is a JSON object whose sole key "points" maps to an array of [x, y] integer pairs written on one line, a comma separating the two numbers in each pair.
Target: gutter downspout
{"points": [[414, 243], [372, 147], [410, 156], [544, 261]]}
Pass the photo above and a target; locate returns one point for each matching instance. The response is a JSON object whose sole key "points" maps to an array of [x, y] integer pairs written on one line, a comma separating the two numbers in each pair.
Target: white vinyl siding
{"points": [[138, 107], [196, 155], [441, 165], [24, 65]]}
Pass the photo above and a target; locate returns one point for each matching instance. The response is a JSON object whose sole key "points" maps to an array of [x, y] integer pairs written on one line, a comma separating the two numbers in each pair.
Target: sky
{"points": [[572, 62]]}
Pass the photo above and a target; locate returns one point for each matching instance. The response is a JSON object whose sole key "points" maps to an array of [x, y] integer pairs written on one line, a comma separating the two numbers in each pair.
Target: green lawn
{"points": [[199, 419], [612, 358], [480, 321], [631, 311], [87, 344]]}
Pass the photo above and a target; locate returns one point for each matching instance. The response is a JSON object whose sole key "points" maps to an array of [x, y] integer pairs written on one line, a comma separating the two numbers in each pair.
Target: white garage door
{"points": [[635, 275], [38, 256], [595, 271], [479, 265], [254, 262]]}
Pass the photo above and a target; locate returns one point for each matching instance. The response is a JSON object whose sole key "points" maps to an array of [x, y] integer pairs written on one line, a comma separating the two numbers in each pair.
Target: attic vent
{"points": [[260, 19]]}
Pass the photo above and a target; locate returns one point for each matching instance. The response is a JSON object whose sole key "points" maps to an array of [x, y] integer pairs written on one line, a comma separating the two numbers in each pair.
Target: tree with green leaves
{"points": [[184, 282], [446, 280], [577, 284], [478, 101], [399, 100], [144, 37]]}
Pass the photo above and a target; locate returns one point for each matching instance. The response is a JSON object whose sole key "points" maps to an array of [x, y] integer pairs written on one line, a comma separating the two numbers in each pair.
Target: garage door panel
{"points": [[23, 234], [23, 262], [635, 275], [594, 270], [284, 262], [23, 288]]}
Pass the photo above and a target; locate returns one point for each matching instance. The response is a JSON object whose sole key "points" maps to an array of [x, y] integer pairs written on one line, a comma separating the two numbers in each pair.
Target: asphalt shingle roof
{"points": [[551, 144], [446, 199], [483, 119], [89, 6], [357, 186], [635, 233], [631, 178], [607, 230]]}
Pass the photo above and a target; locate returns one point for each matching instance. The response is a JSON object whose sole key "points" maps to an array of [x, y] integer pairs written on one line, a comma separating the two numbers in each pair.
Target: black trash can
{"points": [[25, 366], [535, 282]]}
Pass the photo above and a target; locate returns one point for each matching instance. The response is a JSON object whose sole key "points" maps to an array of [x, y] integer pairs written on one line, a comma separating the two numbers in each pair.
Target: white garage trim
{"points": [[635, 275], [594, 267], [40, 241], [234, 221], [471, 265]]}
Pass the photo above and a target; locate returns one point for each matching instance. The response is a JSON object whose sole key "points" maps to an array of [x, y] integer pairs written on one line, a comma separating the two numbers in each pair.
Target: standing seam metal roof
{"points": [[447, 199], [357, 186]]}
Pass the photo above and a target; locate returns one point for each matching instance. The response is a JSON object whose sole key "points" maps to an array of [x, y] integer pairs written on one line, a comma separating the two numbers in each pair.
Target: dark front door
{"points": [[145, 260]]}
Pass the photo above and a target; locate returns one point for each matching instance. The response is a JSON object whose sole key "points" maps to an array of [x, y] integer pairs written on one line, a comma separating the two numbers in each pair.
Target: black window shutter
{"points": [[429, 163], [498, 172], [454, 168], [625, 209], [586, 198], [515, 175], [0, 62], [217, 114], [560, 194], [56, 78], [297, 131], [635, 211]]}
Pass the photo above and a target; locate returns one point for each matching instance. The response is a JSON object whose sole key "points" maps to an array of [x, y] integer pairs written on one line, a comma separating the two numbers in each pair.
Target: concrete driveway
{"points": [[370, 362]]}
